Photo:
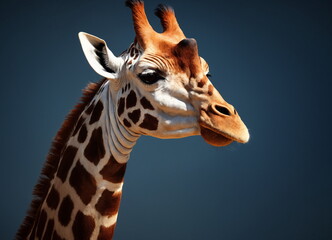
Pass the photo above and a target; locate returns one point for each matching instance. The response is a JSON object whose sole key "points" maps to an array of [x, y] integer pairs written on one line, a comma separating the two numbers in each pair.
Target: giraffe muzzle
{"points": [[221, 125]]}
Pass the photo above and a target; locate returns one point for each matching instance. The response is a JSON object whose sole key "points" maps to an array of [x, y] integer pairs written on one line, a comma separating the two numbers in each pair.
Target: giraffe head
{"points": [[160, 85]]}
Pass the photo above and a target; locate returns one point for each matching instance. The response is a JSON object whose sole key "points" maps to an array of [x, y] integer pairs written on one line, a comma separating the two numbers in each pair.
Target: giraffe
{"points": [[158, 87]]}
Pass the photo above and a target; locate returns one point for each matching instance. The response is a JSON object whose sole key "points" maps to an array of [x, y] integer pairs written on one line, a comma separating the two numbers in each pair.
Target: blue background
{"points": [[271, 59]]}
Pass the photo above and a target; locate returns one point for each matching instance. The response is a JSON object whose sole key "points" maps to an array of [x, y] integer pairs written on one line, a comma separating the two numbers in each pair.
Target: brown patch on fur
{"points": [[113, 171], [56, 236], [135, 115], [41, 224], [109, 202], [96, 112], [146, 104], [210, 90], [121, 106], [53, 159], [131, 99], [132, 52], [202, 82], [65, 210], [126, 123], [66, 162], [150, 122], [49, 229], [53, 199], [106, 233], [83, 134], [95, 149], [88, 111], [83, 226], [83, 183]]}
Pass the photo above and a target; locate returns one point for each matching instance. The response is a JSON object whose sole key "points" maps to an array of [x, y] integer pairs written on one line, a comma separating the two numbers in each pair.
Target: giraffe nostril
{"points": [[222, 110]]}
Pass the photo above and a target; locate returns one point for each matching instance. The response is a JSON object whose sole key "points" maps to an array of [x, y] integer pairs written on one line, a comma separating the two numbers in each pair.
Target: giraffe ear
{"points": [[100, 58]]}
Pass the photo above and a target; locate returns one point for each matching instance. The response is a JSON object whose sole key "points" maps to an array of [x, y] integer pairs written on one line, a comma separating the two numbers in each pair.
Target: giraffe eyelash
{"points": [[151, 76]]}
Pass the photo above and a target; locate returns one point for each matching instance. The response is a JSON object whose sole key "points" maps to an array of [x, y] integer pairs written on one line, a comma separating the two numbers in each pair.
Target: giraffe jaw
{"points": [[219, 138], [214, 138]]}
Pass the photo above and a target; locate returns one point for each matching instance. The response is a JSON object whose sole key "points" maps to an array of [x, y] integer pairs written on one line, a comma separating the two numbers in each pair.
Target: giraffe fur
{"points": [[158, 87]]}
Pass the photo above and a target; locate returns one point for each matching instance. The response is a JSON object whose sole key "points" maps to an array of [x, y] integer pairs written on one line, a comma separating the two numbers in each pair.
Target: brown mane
{"points": [[41, 189]]}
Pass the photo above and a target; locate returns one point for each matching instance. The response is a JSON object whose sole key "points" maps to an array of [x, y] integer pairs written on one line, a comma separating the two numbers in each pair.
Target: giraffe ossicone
{"points": [[159, 87]]}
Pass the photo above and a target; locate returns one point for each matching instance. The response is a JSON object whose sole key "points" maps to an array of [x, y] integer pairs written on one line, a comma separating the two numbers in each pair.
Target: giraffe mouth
{"points": [[215, 138], [220, 129]]}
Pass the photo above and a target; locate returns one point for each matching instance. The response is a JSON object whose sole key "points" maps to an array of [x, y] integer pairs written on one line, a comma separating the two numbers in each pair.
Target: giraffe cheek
{"points": [[149, 122]]}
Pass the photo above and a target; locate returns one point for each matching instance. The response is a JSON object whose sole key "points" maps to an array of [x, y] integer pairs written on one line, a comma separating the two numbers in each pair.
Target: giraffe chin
{"points": [[214, 139]]}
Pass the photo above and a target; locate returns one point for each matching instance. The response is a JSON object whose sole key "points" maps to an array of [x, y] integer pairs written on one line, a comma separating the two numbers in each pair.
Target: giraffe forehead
{"points": [[161, 61], [180, 57]]}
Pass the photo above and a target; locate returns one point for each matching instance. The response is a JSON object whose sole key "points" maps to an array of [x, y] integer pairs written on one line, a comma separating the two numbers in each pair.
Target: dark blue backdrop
{"points": [[271, 59]]}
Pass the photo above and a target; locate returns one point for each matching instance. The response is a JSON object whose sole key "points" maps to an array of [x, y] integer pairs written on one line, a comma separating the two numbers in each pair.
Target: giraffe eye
{"points": [[208, 75], [150, 76]]}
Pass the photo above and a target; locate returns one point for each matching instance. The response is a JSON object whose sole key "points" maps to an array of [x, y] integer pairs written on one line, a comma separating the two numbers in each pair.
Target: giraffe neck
{"points": [[84, 196]]}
